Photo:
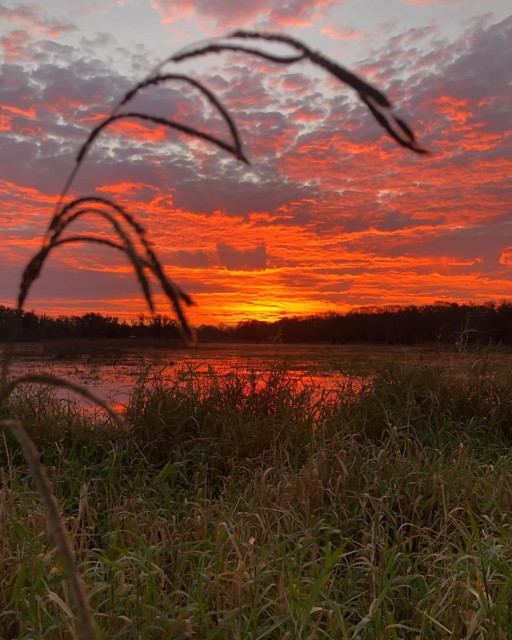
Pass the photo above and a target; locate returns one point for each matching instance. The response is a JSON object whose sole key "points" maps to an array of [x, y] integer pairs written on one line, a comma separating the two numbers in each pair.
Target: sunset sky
{"points": [[330, 215]]}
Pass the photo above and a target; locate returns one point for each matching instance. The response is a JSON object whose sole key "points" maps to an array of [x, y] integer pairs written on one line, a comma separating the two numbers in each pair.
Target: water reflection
{"points": [[112, 371], [112, 375]]}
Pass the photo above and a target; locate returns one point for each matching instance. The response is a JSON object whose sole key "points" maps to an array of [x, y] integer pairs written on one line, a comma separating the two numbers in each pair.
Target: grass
{"points": [[242, 507]]}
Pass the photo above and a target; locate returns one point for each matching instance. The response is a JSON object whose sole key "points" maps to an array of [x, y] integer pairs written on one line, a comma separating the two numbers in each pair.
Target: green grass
{"points": [[247, 507]]}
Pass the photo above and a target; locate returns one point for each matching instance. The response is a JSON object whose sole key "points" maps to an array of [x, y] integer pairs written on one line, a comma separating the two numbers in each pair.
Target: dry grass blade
{"points": [[74, 210], [190, 131], [33, 269], [54, 381], [375, 100], [92, 239], [128, 248], [64, 216], [56, 526], [347, 77], [31, 273], [219, 48], [235, 150], [175, 294], [212, 98], [396, 127]]}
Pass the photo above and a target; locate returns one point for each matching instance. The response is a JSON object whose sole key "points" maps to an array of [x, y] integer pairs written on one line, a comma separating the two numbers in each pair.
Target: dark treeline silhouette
{"points": [[441, 322], [28, 326], [459, 324]]}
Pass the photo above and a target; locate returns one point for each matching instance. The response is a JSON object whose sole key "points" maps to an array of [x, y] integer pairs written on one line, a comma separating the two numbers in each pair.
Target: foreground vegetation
{"points": [[242, 507]]}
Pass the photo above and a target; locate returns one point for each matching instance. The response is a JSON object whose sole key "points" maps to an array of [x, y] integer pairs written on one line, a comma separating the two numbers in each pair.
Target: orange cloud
{"points": [[5, 122], [330, 215], [28, 113], [506, 256], [124, 188], [458, 110], [137, 132]]}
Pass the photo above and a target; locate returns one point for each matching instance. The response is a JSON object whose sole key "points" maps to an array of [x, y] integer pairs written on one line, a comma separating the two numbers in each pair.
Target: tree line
{"points": [[29, 326], [441, 322]]}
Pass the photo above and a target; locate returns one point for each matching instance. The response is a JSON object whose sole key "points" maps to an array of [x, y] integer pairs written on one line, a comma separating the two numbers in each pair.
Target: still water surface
{"points": [[112, 370]]}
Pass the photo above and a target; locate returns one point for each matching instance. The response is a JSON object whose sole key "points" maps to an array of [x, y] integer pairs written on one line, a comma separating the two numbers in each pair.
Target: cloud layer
{"points": [[330, 214]]}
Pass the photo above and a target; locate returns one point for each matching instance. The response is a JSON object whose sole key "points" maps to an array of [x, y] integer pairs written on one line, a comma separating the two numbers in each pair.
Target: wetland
{"points": [[265, 491]]}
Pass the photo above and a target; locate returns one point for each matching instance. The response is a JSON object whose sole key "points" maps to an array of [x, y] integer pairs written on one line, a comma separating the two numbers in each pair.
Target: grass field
{"points": [[246, 507]]}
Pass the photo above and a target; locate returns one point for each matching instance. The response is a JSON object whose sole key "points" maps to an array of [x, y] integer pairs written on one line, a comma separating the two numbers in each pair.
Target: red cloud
{"points": [[5, 122], [34, 17], [28, 113], [15, 46], [226, 14], [137, 132], [458, 110], [124, 188], [341, 34]]}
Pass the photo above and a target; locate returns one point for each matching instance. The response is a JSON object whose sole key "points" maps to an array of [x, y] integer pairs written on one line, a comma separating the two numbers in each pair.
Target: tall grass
{"points": [[235, 511], [159, 603]]}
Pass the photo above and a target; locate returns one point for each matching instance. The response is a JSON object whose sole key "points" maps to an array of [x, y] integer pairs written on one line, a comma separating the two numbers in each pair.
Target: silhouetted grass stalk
{"points": [[55, 525], [377, 103]]}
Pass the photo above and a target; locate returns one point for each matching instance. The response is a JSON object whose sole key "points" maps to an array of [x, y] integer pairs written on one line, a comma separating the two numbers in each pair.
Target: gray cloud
{"points": [[242, 259], [34, 17]]}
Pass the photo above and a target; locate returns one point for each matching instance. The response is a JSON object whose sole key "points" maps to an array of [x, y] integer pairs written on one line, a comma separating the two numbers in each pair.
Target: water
{"points": [[111, 370]]}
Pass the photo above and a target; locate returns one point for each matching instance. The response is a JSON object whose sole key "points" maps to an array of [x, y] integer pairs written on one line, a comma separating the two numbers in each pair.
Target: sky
{"points": [[330, 215]]}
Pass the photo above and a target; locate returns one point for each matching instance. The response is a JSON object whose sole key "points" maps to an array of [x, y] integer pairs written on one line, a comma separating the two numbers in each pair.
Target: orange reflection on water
{"points": [[113, 374]]}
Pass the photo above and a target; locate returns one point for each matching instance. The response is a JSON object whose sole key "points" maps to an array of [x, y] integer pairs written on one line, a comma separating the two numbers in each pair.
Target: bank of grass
{"points": [[249, 507]]}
